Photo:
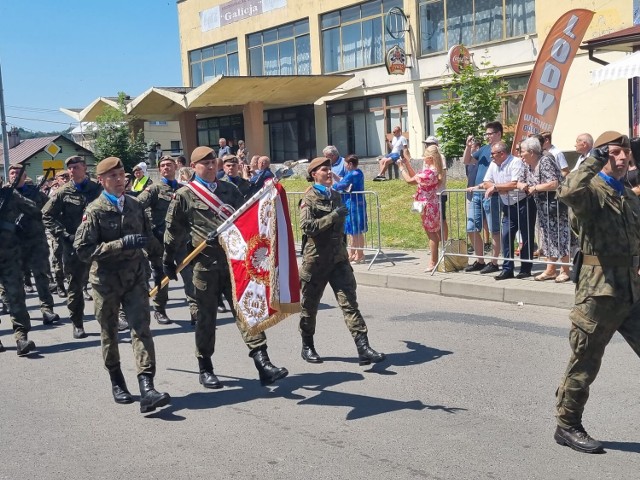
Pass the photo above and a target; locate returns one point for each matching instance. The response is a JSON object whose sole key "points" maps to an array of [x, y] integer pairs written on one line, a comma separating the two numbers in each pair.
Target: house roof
{"points": [[625, 40], [222, 93], [28, 148]]}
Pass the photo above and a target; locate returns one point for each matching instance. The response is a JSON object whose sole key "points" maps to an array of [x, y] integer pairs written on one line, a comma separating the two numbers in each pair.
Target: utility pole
{"points": [[5, 139]]}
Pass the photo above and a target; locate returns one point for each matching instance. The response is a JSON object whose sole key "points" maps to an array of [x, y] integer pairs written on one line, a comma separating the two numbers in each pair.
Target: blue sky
{"points": [[66, 53]]}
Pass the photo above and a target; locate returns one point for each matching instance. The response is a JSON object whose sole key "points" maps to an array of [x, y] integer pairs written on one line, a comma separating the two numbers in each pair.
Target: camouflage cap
{"points": [[611, 137], [317, 163], [202, 153], [15, 166], [108, 164], [74, 159], [230, 159]]}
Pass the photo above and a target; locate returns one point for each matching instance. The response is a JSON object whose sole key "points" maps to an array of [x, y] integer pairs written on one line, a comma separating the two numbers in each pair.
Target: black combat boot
{"points": [[309, 353], [62, 292], [24, 346], [48, 317], [5, 309], [2, 349], [367, 354], [207, 378], [578, 439], [150, 398], [119, 386], [78, 332], [86, 295], [161, 317], [194, 319], [268, 372]]}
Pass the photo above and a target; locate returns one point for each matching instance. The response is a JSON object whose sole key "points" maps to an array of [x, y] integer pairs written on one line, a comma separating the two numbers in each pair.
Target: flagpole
{"points": [[5, 140], [223, 226]]}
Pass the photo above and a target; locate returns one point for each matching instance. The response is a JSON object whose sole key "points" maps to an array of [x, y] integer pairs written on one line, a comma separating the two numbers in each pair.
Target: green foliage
{"points": [[27, 134], [473, 100], [116, 136]]}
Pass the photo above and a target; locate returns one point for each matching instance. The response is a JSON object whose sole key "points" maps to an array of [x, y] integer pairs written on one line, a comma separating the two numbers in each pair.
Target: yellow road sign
{"points": [[52, 149]]}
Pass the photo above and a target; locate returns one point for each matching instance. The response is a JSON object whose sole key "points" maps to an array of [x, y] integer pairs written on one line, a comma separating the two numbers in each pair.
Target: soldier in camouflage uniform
{"points": [[190, 217], [62, 177], [14, 205], [156, 199], [113, 232], [231, 166], [606, 215], [62, 215], [34, 246], [325, 260]]}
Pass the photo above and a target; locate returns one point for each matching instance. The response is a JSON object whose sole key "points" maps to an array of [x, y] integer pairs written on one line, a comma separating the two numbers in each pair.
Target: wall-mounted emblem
{"points": [[396, 61], [459, 57]]}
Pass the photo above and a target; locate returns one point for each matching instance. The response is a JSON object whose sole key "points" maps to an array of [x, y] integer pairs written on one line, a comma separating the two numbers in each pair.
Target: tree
{"points": [[117, 137], [473, 100]]}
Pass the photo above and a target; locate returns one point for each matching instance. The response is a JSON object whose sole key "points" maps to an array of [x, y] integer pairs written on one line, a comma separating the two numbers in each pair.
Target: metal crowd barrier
{"points": [[545, 231], [363, 220]]}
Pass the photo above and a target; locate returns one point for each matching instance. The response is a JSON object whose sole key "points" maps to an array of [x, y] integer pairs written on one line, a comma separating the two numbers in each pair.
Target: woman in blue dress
{"points": [[355, 225]]}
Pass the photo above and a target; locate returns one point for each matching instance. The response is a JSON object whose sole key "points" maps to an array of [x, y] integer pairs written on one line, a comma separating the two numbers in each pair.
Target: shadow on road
{"points": [[622, 446], [417, 354]]}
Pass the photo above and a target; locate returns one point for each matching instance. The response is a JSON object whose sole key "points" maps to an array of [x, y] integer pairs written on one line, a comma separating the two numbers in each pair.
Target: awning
{"points": [[220, 95], [627, 67]]}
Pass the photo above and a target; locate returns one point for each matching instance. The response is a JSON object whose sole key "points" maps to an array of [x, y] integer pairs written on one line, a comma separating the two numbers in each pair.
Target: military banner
{"points": [[262, 260], [541, 101]]}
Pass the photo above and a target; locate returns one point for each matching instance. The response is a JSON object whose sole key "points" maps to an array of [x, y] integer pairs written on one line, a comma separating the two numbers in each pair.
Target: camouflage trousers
{"points": [[56, 260], [77, 274], [161, 298], [593, 324], [12, 280], [208, 285], [35, 258], [313, 280], [133, 295]]}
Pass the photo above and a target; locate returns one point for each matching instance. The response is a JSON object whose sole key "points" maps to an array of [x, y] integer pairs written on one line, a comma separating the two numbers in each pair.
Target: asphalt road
{"points": [[467, 392]]}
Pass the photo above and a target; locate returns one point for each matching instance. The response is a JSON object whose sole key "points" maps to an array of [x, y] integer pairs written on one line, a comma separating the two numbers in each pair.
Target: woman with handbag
{"points": [[426, 198], [541, 179]]}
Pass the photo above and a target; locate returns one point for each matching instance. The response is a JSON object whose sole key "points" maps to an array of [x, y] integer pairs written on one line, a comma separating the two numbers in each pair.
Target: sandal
{"points": [[563, 277], [429, 269], [545, 276], [357, 262]]}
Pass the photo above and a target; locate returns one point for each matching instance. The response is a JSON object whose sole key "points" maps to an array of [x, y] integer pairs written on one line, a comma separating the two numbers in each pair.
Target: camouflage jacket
{"points": [[324, 230], [156, 199], [243, 185], [99, 239], [10, 235], [33, 227], [609, 225], [189, 219], [63, 212]]}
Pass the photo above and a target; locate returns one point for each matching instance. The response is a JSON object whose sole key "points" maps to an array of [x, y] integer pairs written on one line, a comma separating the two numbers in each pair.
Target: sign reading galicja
{"points": [[235, 11], [541, 101]]}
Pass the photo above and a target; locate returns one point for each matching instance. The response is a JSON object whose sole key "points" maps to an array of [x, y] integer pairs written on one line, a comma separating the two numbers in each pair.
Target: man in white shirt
{"points": [[561, 161], [518, 210], [395, 145], [584, 144]]}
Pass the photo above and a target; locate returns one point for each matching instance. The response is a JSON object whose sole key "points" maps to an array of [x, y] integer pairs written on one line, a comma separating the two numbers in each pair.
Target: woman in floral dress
{"points": [[427, 181], [540, 178]]}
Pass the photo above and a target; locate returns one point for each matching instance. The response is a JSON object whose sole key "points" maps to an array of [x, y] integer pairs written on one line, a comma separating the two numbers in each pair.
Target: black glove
{"points": [[134, 240], [601, 153], [212, 239], [169, 269], [341, 211]]}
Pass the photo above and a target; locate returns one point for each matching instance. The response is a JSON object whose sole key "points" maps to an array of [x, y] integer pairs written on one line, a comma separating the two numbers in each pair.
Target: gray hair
{"points": [[331, 150], [531, 144]]}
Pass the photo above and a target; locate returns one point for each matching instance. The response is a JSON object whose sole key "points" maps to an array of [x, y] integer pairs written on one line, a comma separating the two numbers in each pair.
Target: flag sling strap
{"points": [[211, 200]]}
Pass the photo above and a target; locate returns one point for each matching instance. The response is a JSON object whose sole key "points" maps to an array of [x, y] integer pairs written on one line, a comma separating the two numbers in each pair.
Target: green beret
{"points": [[108, 164], [202, 153]]}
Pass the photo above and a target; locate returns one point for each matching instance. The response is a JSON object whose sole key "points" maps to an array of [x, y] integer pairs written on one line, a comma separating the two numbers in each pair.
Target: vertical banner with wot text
{"points": [[542, 99]]}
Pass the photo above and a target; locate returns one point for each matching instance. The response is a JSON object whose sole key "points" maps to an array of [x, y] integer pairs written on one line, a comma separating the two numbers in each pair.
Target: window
{"points": [[356, 37], [284, 50], [290, 133], [210, 130], [359, 126], [445, 23], [175, 146], [209, 62]]}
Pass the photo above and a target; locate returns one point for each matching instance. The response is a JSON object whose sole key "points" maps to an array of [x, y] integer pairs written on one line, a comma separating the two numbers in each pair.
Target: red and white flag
{"points": [[262, 260]]}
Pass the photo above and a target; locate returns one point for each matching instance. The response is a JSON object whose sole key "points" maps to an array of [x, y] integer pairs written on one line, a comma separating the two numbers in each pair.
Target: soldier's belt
{"points": [[8, 226], [612, 260]]}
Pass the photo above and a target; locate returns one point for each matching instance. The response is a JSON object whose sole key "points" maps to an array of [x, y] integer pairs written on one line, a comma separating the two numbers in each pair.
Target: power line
{"points": [[41, 120], [33, 109]]}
